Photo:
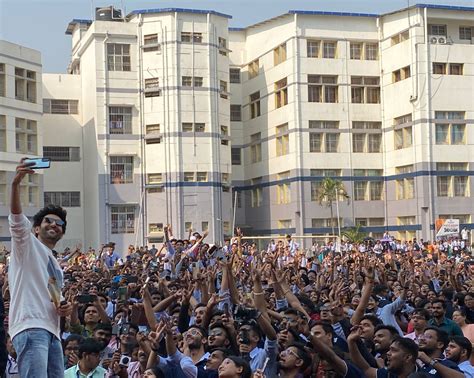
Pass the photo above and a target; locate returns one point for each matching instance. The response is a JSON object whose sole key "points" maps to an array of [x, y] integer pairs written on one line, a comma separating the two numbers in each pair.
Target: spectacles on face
{"points": [[290, 351], [193, 332], [58, 222], [215, 333]]}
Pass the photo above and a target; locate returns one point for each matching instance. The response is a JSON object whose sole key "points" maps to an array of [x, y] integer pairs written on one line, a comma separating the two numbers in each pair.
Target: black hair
{"points": [[225, 352], [73, 337], [441, 335], [157, 372], [200, 329], [463, 342], [379, 289], [373, 319], [439, 301], [50, 209], [423, 312], [240, 362], [103, 327], [326, 326], [448, 292], [303, 355], [393, 331], [408, 345], [89, 345]]}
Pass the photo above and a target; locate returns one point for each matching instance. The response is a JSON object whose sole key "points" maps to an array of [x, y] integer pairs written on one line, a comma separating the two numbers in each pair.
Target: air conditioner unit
{"points": [[442, 40], [433, 40]]}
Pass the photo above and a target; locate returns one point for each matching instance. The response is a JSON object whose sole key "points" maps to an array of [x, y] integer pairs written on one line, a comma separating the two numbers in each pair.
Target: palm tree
{"points": [[354, 234], [329, 191]]}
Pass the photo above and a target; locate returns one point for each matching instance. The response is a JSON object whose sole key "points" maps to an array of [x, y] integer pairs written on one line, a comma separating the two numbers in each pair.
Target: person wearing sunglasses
{"points": [[35, 281]]}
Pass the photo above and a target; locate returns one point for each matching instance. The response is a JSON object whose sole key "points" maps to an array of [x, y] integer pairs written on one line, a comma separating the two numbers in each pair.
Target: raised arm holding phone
{"points": [[35, 280]]}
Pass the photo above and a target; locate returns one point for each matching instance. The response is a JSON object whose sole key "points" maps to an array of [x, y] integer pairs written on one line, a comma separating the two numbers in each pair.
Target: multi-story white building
{"points": [[20, 126], [170, 116]]}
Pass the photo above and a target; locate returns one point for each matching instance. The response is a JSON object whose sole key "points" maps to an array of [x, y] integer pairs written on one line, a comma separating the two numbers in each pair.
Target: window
{"points": [[3, 133], [155, 228], [368, 190], [317, 177], [437, 30], [327, 137], [189, 177], [403, 137], [51, 106], [234, 75], [448, 131], [236, 113], [150, 43], [283, 188], [455, 183], [153, 134], [236, 154], [439, 68], [196, 127], [222, 46], [255, 105], [448, 69], [187, 81], [225, 182], [3, 90], [121, 169], [3, 187], [191, 37], [329, 49], [25, 85], [256, 147], [120, 119], [152, 87], [62, 153], [364, 140], [201, 176], [463, 218], [190, 81], [29, 191], [356, 50], [284, 224], [405, 187], [122, 219], [465, 32], [282, 140], [118, 57], [365, 90], [456, 68], [401, 74], [253, 69], [406, 234], [223, 89], [188, 225], [279, 54], [26, 136], [281, 93], [312, 48], [154, 178], [369, 222], [322, 88], [64, 199], [224, 135], [256, 192], [371, 51], [400, 37]]}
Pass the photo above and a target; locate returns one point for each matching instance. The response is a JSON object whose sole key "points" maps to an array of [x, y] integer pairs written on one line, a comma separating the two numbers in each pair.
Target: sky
{"points": [[40, 24]]}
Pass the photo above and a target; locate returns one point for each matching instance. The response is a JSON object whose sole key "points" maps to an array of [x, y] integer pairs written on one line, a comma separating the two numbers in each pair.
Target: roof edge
{"points": [[179, 10], [74, 22]]}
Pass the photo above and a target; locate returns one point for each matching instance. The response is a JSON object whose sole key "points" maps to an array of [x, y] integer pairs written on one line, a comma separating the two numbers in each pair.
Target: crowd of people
{"points": [[191, 309]]}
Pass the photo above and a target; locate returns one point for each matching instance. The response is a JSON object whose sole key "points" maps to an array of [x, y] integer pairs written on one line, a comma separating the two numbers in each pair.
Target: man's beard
{"points": [[455, 358], [45, 236]]}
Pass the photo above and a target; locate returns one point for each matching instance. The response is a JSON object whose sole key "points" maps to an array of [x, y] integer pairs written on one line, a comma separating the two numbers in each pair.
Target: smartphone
{"points": [[86, 298], [115, 331], [125, 329], [39, 163], [146, 282], [131, 279], [122, 294]]}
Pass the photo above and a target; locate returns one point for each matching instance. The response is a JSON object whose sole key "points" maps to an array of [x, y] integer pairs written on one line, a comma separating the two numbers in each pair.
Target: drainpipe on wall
{"points": [[107, 141]]}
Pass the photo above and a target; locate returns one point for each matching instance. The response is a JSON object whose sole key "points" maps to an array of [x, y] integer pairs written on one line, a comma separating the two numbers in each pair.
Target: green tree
{"points": [[354, 234], [329, 191]]}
